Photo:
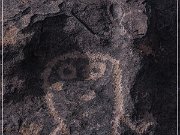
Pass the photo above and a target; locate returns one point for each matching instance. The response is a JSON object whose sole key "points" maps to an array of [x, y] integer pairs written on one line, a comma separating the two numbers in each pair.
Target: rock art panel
{"points": [[89, 67]]}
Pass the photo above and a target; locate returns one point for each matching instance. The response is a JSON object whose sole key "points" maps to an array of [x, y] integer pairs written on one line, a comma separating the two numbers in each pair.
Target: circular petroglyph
{"points": [[67, 72]]}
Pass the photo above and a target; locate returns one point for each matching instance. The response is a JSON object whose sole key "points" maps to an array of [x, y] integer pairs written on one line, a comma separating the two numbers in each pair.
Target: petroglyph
{"points": [[88, 96], [33, 129], [89, 93], [57, 86], [97, 69], [93, 66], [62, 128]]}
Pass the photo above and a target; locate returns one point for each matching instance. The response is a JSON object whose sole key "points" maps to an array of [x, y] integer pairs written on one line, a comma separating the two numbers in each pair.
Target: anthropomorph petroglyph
{"points": [[56, 82], [73, 73]]}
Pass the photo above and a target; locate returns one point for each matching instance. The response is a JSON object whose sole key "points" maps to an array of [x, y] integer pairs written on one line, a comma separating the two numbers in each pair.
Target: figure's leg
{"points": [[62, 127]]}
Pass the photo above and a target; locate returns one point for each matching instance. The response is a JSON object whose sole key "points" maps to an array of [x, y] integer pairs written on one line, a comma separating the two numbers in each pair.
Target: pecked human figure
{"points": [[84, 96]]}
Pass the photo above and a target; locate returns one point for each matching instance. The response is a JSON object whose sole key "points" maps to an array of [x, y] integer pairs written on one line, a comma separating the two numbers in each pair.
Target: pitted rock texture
{"points": [[89, 67]]}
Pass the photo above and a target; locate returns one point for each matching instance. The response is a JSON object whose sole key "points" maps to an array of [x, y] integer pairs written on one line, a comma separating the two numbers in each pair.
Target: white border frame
{"points": [[2, 85], [177, 73]]}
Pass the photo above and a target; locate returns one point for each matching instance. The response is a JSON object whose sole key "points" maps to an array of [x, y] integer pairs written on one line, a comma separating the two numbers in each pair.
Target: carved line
{"points": [[61, 124], [119, 104]]}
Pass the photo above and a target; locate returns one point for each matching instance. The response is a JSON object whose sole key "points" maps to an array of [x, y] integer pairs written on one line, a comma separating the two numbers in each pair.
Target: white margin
{"points": [[177, 73], [2, 85]]}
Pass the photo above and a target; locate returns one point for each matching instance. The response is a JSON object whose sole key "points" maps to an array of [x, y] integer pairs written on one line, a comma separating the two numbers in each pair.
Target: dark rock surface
{"points": [[90, 67]]}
